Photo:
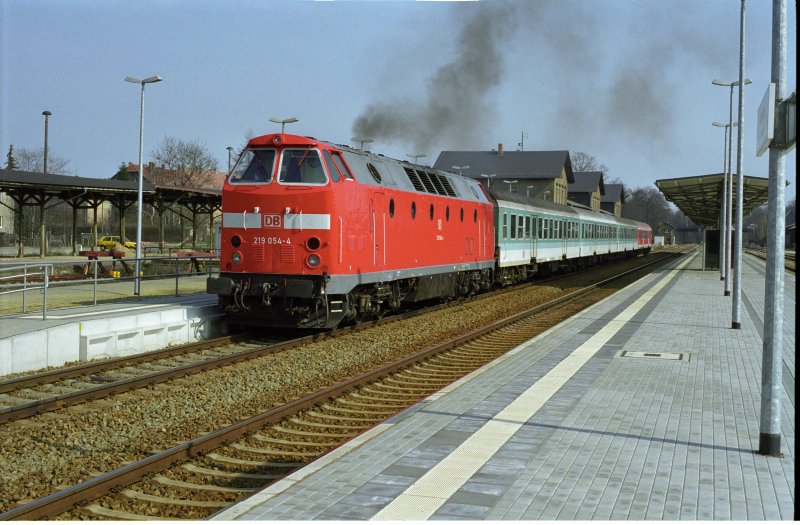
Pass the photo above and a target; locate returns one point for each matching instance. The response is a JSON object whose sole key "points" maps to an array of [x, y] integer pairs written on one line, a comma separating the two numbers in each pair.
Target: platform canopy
{"points": [[700, 197]]}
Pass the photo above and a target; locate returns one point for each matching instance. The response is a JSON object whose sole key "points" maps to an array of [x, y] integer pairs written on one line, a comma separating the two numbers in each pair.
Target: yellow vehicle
{"points": [[107, 242]]}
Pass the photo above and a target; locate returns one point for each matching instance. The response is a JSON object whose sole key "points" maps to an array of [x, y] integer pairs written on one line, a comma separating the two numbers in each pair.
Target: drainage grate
{"points": [[655, 355]]}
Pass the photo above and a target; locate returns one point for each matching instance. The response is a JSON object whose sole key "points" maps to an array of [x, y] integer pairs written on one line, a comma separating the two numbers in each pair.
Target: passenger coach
{"points": [[535, 236]]}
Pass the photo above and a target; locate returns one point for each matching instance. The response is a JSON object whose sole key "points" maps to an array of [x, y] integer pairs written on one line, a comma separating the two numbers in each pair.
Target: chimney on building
{"points": [[499, 149]]}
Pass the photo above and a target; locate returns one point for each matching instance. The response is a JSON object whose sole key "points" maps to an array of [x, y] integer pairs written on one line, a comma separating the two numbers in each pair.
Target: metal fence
{"points": [[34, 276], [30, 286]]}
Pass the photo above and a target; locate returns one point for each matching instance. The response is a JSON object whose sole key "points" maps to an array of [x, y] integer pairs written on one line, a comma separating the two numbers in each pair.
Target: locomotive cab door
{"points": [[378, 229]]}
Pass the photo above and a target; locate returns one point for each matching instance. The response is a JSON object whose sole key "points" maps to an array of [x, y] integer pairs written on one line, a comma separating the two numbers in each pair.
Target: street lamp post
{"points": [[46, 117], [137, 283], [728, 205], [724, 240], [510, 184], [737, 266], [489, 179], [283, 122], [528, 190], [459, 168], [42, 242]]}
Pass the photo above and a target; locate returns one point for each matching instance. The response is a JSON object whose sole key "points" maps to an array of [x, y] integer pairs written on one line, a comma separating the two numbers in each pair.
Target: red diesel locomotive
{"points": [[315, 233]]}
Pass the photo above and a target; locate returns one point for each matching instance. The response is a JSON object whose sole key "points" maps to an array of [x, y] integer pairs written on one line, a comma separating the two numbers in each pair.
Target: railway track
{"points": [[199, 477], [789, 258], [29, 395]]}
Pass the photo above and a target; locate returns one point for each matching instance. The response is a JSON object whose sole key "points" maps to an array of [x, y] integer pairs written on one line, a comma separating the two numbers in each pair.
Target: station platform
{"points": [[643, 407], [110, 329]]}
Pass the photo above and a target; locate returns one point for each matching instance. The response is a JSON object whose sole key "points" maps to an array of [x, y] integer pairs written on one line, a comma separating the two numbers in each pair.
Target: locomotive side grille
{"points": [[287, 253], [412, 176], [257, 252], [437, 183], [448, 188], [429, 182], [429, 187]]}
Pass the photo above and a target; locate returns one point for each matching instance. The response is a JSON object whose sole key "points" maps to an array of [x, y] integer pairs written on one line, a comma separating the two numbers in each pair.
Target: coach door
{"points": [[378, 229]]}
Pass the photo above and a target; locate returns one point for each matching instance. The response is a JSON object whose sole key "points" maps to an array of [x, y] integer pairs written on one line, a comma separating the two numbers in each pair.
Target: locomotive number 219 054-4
{"points": [[271, 240]]}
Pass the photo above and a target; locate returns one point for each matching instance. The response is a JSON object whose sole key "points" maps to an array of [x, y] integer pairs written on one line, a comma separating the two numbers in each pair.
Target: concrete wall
{"points": [[109, 337]]}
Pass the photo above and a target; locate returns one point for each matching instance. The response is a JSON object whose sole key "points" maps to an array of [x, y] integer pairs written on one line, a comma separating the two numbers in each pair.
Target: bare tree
{"points": [[33, 160], [584, 162], [647, 205], [182, 163]]}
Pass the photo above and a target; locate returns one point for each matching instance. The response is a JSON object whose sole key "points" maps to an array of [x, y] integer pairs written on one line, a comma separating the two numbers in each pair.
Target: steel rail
{"points": [[59, 502]]}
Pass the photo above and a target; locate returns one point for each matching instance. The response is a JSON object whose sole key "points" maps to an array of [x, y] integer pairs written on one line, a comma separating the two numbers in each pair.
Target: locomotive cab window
{"points": [[253, 167], [301, 166], [342, 167], [332, 171]]}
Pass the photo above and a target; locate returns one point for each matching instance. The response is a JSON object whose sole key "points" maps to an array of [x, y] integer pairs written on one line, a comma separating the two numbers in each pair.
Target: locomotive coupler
{"points": [[325, 280]]}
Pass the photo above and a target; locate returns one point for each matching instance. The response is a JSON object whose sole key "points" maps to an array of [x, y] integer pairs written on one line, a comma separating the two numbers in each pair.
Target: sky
{"points": [[626, 81]]}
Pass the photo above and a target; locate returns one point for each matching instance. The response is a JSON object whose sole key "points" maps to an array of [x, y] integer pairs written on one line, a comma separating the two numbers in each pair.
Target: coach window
{"points": [[253, 167], [391, 207], [520, 227], [505, 226], [332, 171], [413, 210], [513, 231], [301, 166], [527, 226]]}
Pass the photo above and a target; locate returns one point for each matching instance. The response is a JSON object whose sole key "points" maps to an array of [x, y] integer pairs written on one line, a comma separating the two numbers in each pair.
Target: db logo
{"points": [[272, 221]]}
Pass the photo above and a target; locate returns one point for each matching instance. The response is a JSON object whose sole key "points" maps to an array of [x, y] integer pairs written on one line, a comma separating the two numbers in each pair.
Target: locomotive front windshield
{"points": [[301, 166], [254, 166]]}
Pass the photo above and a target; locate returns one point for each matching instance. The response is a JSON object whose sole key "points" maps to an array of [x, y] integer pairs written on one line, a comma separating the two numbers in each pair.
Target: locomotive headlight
{"points": [[313, 260], [236, 258], [313, 243]]}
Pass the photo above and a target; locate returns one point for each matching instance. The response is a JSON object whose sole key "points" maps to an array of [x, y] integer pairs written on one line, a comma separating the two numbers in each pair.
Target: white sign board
{"points": [[766, 121]]}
